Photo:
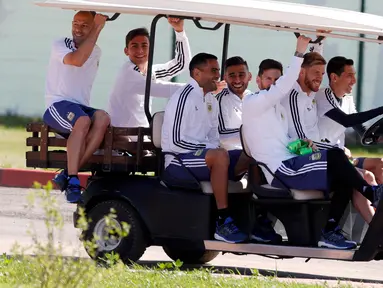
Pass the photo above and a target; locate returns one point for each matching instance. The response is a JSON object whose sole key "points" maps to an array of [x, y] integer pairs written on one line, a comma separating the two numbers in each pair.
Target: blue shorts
{"points": [[307, 172], [62, 115], [196, 165], [360, 162]]}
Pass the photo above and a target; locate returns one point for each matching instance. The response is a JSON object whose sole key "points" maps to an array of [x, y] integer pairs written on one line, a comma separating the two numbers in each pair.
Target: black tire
{"points": [[130, 248], [190, 256]]}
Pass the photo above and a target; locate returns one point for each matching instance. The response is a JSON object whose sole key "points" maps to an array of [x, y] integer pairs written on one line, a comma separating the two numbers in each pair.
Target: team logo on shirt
{"points": [[70, 116], [315, 156], [209, 107], [198, 152]]}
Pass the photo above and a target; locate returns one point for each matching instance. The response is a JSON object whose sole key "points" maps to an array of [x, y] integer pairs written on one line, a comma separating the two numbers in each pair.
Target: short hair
{"points": [[313, 58], [93, 13], [336, 65], [268, 64], [234, 61], [134, 33], [199, 60]]}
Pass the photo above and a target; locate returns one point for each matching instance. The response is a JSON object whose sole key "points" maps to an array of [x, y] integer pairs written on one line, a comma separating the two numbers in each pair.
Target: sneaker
{"points": [[73, 191], [378, 195], [61, 180], [264, 232], [336, 240], [229, 232]]}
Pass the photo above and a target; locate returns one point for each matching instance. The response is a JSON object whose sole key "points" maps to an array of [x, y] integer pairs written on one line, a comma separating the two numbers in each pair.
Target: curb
{"points": [[24, 178]]}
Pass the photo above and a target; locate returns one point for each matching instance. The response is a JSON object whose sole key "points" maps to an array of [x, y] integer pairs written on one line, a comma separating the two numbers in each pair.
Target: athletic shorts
{"points": [[360, 162], [63, 115], [196, 165], [307, 172]]}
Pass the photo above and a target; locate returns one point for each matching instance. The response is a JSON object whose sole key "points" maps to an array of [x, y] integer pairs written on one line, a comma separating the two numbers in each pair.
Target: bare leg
{"points": [[361, 203], [218, 162], [100, 123], [75, 141], [375, 165]]}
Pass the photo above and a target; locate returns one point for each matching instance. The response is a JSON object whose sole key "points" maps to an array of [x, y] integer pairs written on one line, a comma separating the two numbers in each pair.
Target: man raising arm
{"points": [[126, 101], [72, 69], [266, 132]]}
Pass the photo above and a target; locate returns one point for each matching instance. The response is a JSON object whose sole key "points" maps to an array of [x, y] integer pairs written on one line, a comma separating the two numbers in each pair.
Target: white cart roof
{"points": [[259, 13]]}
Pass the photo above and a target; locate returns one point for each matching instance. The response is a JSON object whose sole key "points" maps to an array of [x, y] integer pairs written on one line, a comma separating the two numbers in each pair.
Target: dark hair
{"points": [[234, 61], [199, 60], [268, 64], [313, 58], [134, 33], [336, 65]]}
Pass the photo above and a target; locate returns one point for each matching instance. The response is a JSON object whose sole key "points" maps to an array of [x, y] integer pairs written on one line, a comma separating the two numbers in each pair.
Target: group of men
{"points": [[201, 124]]}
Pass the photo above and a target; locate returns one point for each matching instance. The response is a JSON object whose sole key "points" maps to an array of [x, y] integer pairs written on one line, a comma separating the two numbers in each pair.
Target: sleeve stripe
{"points": [[221, 125], [329, 97], [69, 44], [179, 66], [177, 123], [295, 114]]}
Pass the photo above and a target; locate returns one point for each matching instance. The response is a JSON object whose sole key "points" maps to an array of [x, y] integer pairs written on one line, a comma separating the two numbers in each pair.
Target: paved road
{"points": [[16, 220]]}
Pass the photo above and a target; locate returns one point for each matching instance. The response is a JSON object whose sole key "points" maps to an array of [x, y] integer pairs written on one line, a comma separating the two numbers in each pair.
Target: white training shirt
{"points": [[302, 114], [126, 101], [68, 82], [265, 123], [230, 118], [190, 121], [328, 128]]}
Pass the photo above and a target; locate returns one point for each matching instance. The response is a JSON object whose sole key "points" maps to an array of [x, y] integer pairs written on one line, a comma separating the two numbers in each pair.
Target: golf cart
{"points": [[180, 218]]}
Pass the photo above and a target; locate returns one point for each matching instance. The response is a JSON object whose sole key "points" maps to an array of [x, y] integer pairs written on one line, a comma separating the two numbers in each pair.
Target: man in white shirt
{"points": [[190, 134], [265, 128], [72, 69], [336, 111], [126, 101], [301, 105], [237, 76]]}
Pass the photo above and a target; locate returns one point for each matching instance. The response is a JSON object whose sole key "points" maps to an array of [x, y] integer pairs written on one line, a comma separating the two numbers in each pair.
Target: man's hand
{"points": [[99, 21], [347, 152], [220, 86], [322, 31], [302, 44], [311, 144], [176, 23]]}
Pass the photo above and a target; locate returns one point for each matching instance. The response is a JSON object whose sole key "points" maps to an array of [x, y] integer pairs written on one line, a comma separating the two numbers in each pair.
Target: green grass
{"points": [[27, 273], [13, 147]]}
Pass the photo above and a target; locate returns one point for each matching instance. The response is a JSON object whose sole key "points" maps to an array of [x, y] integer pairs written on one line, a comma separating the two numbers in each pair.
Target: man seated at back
{"points": [[325, 170], [72, 69], [190, 131], [126, 101], [336, 111], [237, 76]]}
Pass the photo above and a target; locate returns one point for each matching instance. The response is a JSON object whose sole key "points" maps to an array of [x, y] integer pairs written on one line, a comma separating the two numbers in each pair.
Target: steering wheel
{"points": [[372, 134], [318, 40]]}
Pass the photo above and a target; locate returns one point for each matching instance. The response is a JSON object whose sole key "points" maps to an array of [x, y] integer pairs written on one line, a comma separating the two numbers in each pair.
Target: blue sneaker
{"points": [[264, 232], [229, 232], [73, 191], [336, 240], [61, 180]]}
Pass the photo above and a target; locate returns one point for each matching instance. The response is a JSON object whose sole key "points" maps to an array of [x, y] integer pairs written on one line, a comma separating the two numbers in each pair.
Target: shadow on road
{"points": [[249, 272]]}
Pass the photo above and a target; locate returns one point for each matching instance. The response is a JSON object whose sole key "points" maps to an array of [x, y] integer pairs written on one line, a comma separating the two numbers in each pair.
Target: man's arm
{"points": [[182, 56], [213, 135], [80, 56], [263, 100], [227, 135], [180, 138], [351, 120]]}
